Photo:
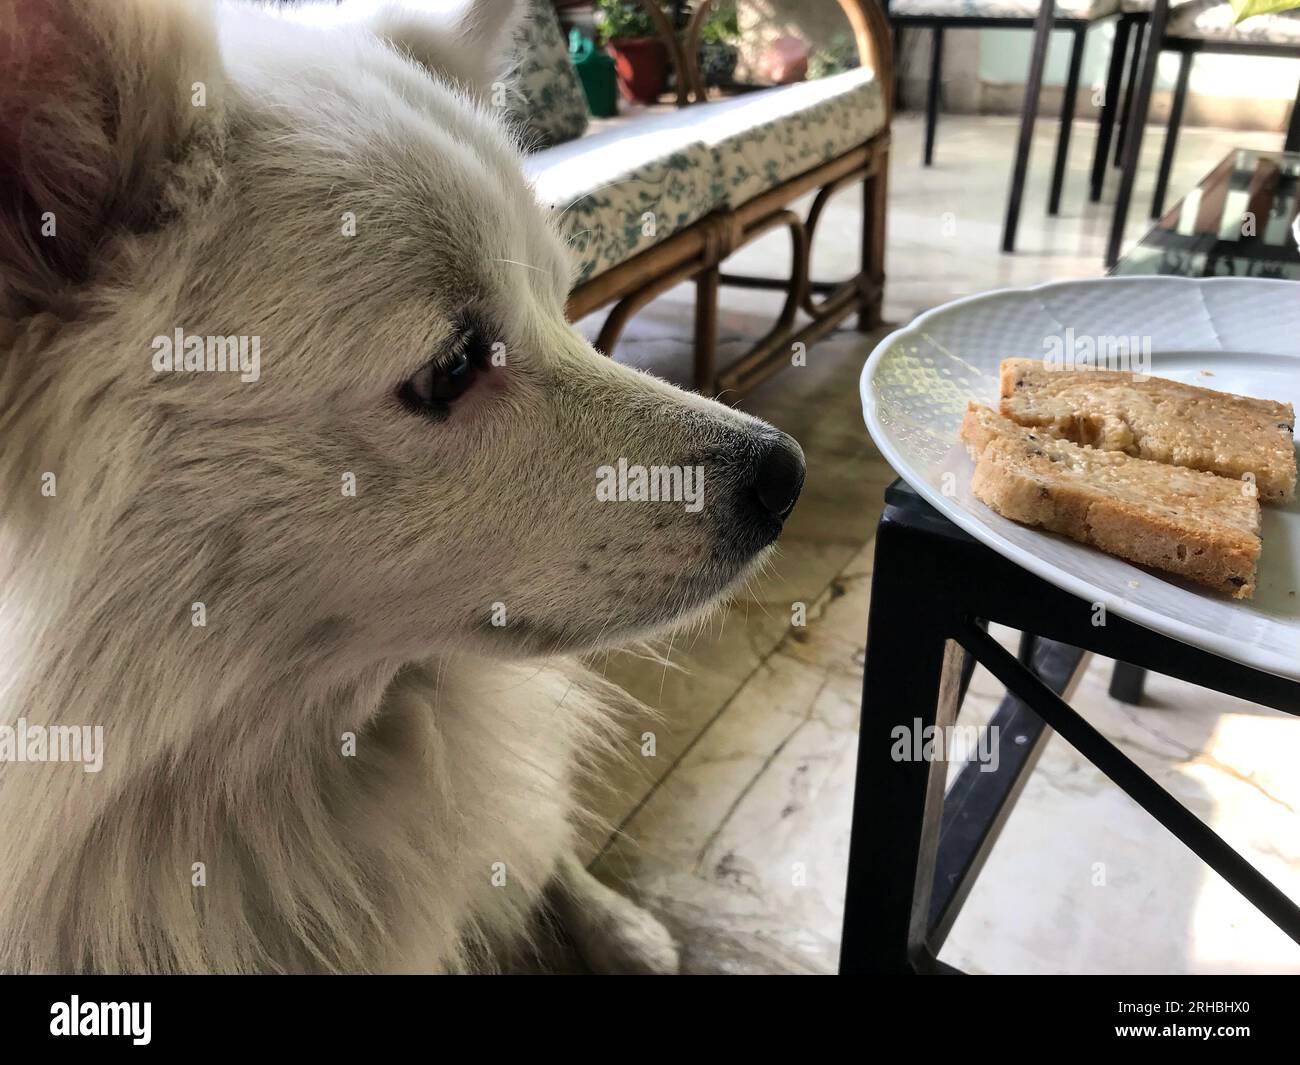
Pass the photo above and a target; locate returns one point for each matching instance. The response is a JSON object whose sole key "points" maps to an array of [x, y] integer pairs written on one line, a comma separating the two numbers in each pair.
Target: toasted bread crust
{"points": [[1153, 418], [1193, 524]]}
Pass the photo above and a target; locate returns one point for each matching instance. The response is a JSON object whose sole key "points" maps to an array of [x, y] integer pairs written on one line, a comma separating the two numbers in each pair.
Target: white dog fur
{"points": [[327, 614]]}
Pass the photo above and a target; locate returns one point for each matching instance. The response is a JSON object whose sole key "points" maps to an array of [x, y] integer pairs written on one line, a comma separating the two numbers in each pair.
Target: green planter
{"points": [[596, 72]]}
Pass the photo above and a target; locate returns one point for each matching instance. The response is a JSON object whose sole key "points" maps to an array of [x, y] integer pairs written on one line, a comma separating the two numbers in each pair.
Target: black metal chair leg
{"points": [[1171, 134], [1067, 120], [1134, 66], [932, 95], [914, 677], [1127, 683], [1028, 113], [1137, 125], [1109, 107], [1293, 127]]}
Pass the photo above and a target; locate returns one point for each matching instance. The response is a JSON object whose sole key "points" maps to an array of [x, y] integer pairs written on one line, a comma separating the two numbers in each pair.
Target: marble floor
{"points": [[735, 831]]}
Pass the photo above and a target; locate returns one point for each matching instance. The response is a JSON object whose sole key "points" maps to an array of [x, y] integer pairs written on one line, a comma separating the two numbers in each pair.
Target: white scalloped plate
{"points": [[1234, 334]]}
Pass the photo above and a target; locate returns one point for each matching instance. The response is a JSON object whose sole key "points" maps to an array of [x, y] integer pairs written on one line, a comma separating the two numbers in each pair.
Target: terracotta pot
{"points": [[641, 64]]}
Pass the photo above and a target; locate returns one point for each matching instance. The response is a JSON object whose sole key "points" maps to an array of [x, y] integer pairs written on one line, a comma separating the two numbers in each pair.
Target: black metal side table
{"points": [[915, 853]]}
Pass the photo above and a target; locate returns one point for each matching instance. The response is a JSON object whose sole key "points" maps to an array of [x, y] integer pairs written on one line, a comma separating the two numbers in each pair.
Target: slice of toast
{"points": [[1153, 418], [1194, 524]]}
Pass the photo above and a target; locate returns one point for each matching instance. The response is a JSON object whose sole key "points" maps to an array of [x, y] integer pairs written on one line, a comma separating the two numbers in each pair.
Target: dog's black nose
{"points": [[780, 476]]}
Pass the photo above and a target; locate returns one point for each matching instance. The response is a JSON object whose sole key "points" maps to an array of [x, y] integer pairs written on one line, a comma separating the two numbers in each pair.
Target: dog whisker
{"points": [[516, 262]]}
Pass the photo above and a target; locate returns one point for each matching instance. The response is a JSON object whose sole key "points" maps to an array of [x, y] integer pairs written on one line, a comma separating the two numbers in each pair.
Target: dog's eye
{"points": [[441, 381]]}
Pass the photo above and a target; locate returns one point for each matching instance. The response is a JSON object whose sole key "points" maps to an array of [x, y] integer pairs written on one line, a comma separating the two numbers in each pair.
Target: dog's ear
{"points": [[471, 46], [109, 122]]}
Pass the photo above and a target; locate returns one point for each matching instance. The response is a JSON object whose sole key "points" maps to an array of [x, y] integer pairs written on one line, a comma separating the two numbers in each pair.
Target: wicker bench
{"points": [[666, 198]]}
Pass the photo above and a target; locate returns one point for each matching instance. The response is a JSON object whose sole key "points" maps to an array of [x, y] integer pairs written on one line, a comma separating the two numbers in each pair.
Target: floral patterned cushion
{"points": [[1089, 9], [619, 191], [1211, 20], [762, 139], [546, 101]]}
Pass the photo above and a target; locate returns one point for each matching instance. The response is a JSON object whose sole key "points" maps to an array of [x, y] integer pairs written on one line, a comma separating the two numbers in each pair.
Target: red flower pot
{"points": [[641, 64]]}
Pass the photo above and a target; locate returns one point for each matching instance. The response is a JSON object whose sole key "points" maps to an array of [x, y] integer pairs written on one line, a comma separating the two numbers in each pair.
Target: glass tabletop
{"points": [[1239, 221]]}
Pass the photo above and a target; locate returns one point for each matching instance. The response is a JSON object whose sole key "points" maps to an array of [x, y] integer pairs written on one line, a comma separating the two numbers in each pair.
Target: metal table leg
{"points": [[1067, 119], [1109, 107], [1028, 114], [1136, 127]]}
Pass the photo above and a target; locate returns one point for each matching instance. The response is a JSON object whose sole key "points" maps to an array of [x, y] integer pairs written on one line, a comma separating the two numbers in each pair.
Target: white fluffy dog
{"points": [[317, 611]]}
